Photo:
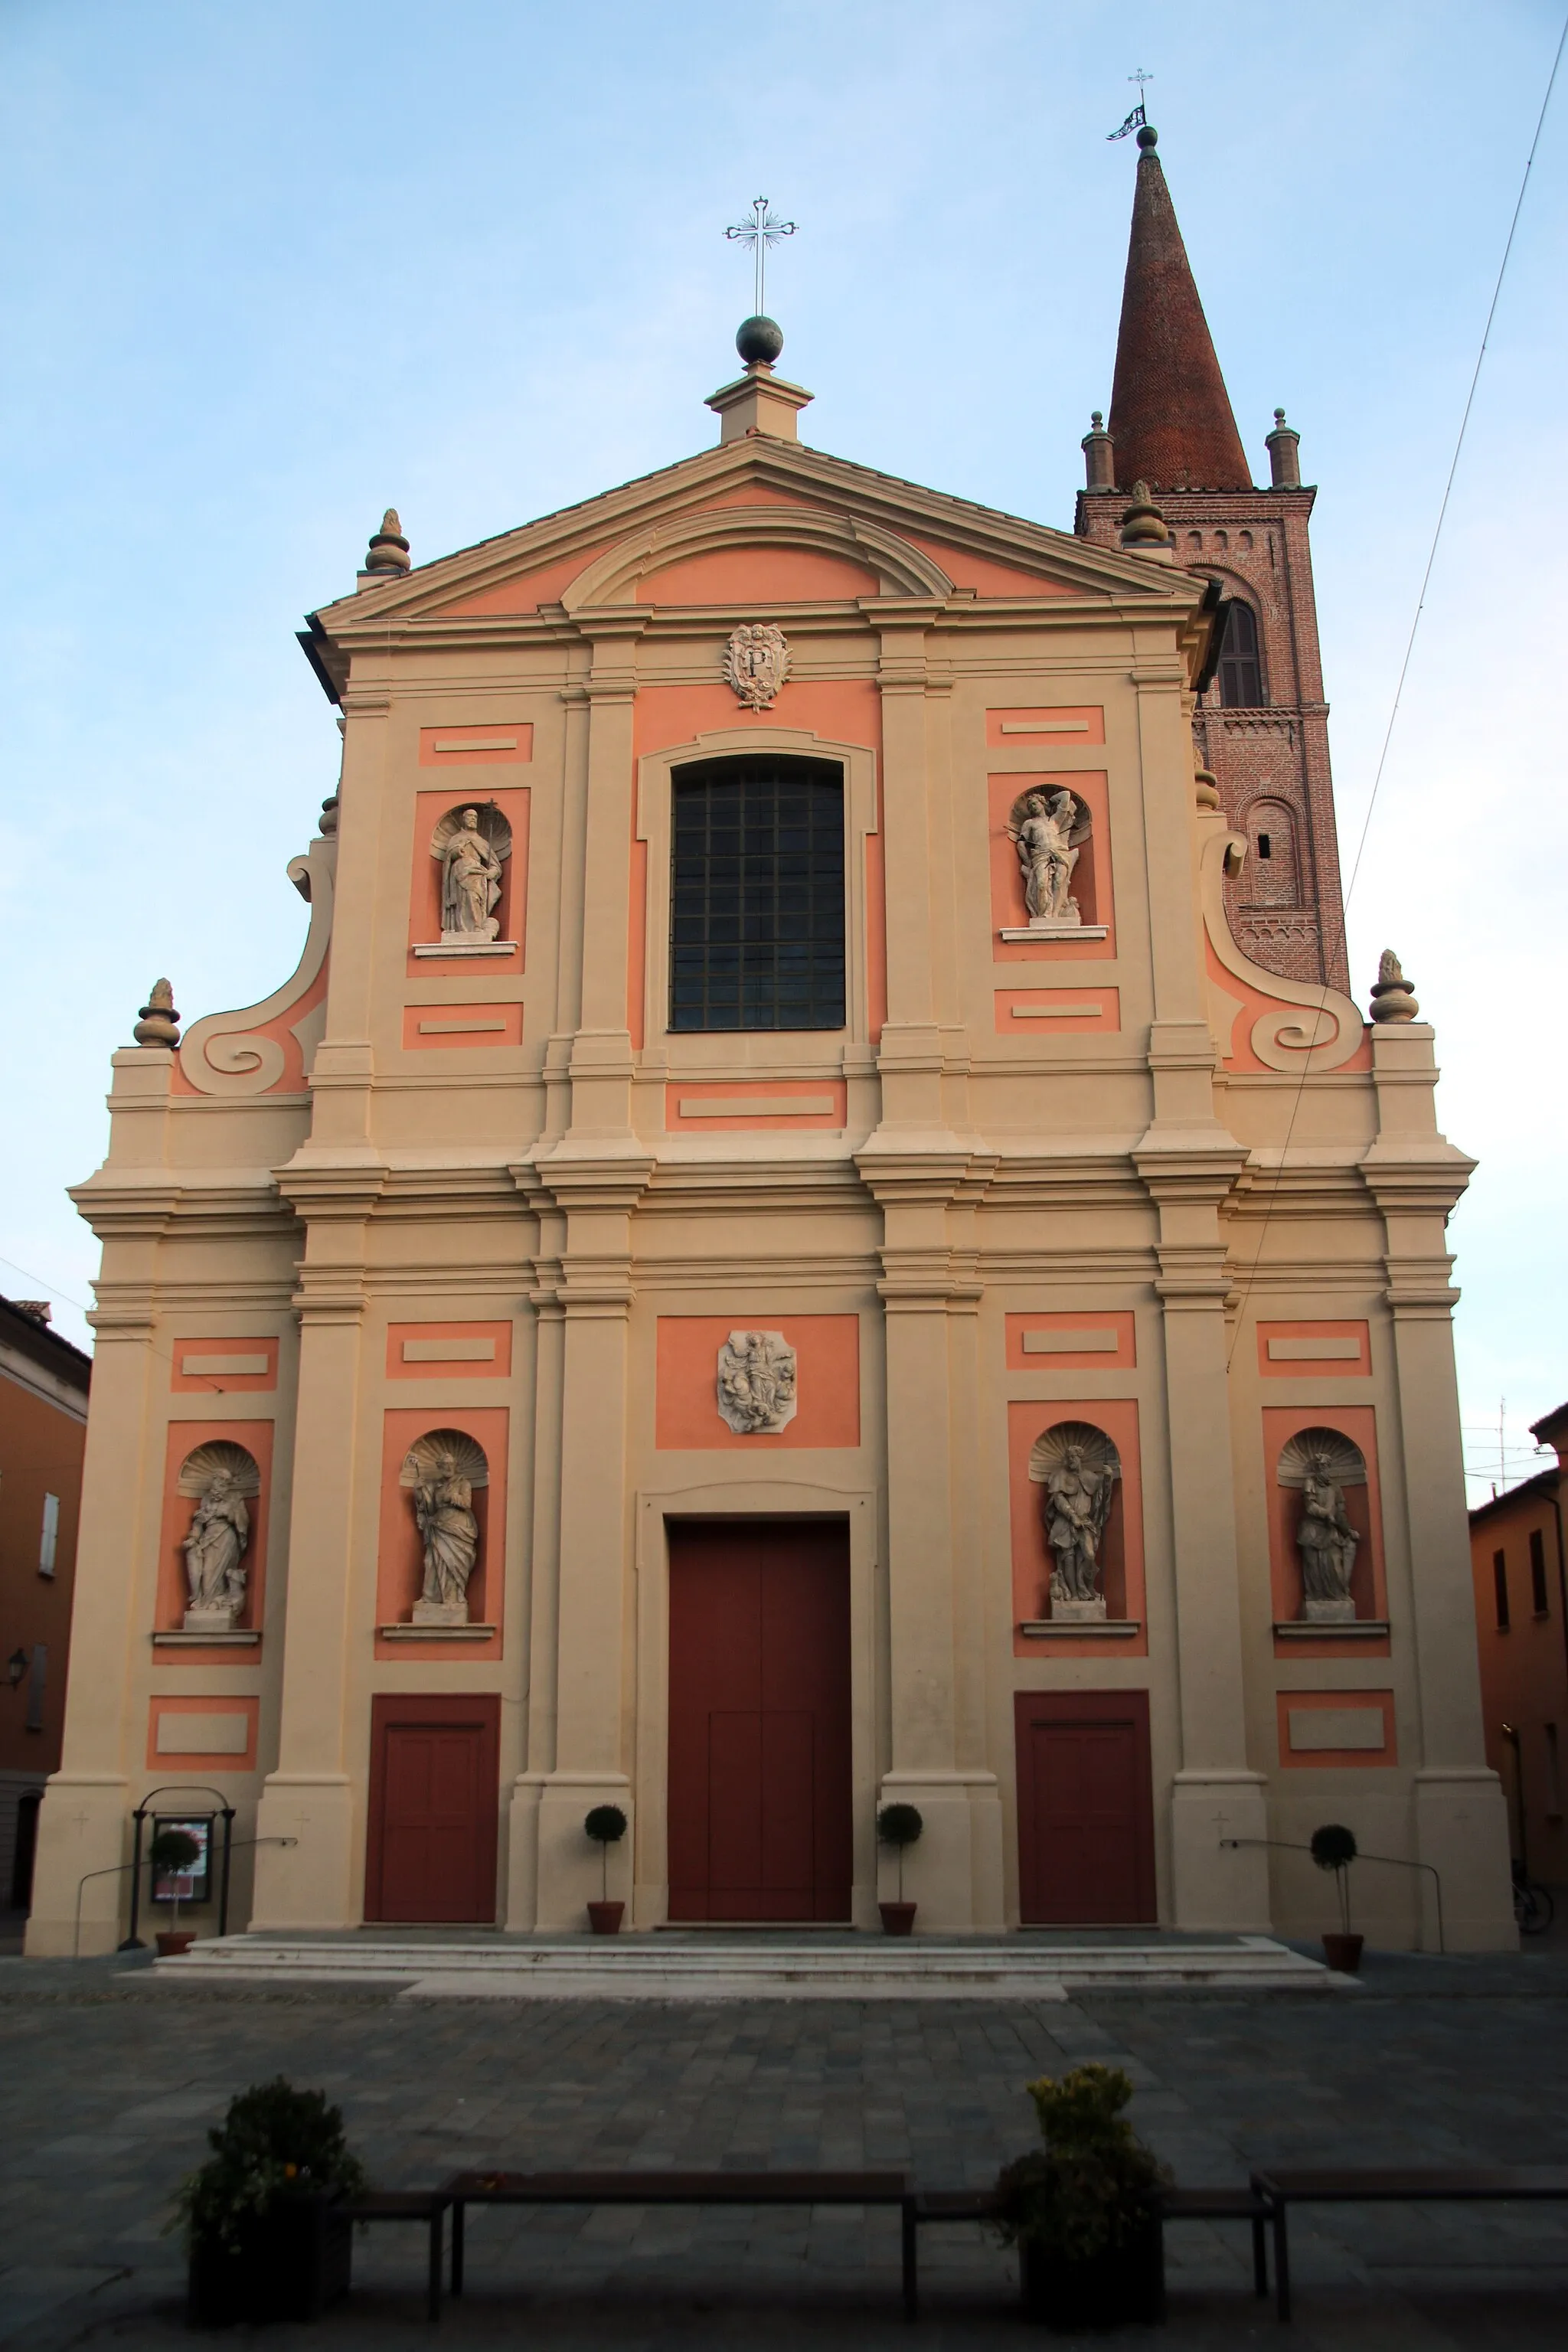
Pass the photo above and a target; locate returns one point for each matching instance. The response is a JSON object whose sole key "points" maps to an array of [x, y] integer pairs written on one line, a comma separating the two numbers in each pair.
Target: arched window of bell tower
{"points": [[1240, 671]]}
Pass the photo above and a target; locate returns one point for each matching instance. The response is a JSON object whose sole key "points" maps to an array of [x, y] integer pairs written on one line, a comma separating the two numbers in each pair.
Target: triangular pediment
{"points": [[752, 523]]}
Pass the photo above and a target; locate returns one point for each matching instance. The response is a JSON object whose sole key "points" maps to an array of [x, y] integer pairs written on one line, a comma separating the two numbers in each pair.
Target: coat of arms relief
{"points": [[756, 662]]}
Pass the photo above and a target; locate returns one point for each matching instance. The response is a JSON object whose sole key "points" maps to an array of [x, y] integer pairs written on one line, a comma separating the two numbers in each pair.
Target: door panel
{"points": [[1084, 1808], [759, 1720], [431, 1849]]}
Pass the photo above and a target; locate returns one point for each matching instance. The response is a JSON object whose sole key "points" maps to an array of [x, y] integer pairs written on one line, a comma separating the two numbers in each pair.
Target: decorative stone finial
{"points": [[1392, 999], [1099, 456], [759, 341], [329, 824], [1148, 139], [1284, 447], [1205, 787], [388, 548], [159, 1023], [1144, 526]]}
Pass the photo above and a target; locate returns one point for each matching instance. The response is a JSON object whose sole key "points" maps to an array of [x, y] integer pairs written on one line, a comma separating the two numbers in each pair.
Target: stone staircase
{"points": [[736, 1966]]}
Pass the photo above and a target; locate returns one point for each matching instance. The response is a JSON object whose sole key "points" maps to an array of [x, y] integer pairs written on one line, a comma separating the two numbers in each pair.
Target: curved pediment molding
{"points": [[268, 1047], [1303, 1024], [900, 570]]}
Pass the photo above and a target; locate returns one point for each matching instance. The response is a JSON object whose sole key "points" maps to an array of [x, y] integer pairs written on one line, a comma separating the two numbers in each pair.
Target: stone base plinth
{"points": [[1329, 1612], [441, 1612], [460, 944], [1043, 930]]}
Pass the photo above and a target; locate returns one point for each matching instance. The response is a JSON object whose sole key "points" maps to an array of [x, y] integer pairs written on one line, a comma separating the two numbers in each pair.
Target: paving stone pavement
{"points": [[109, 2079]]}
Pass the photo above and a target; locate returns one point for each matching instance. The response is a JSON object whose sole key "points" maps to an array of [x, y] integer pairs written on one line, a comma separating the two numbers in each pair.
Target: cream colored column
{"points": [[1189, 1162], [1461, 1825], [601, 1063], [309, 1797]]}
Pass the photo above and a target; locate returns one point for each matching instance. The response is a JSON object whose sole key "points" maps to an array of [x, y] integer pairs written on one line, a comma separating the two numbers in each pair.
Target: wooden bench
{"points": [[426, 2205], [651, 2187], [1175, 2205], [1279, 2190]]}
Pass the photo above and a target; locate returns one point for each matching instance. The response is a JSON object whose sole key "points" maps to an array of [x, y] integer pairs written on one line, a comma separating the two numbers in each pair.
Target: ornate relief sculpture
{"points": [[221, 1477], [1077, 1465], [756, 662], [441, 1471], [470, 881], [1047, 831], [756, 1382], [1323, 1463]]}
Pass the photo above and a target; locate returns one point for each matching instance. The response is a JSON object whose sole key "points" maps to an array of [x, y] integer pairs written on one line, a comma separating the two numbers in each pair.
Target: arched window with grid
{"points": [[1241, 666], [757, 932]]}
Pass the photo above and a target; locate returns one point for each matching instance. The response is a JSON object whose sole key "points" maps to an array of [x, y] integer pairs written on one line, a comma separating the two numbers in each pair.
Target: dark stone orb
{"points": [[759, 339]]}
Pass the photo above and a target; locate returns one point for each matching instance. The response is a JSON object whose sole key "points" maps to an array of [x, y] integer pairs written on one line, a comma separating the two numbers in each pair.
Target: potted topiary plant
{"points": [[173, 1851], [1335, 1848], [1084, 2210], [899, 1826], [264, 2217], [607, 1825]]}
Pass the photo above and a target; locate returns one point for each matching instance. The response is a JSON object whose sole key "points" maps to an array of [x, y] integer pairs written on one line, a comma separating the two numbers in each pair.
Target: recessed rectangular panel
{"points": [[506, 742], [203, 1735]]}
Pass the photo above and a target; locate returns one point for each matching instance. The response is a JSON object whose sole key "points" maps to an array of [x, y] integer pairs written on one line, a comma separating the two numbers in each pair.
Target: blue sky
{"points": [[267, 267]]}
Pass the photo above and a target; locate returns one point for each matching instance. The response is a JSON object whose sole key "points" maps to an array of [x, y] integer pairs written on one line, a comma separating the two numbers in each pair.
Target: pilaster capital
{"points": [[574, 1178], [332, 1192]]}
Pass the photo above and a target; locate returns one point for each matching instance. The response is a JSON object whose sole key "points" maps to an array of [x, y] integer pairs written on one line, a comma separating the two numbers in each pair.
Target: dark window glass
{"points": [[1240, 674], [1499, 1586], [756, 925], [1538, 1571]]}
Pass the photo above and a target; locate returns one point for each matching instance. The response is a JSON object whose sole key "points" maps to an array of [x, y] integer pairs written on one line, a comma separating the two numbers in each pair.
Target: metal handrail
{"points": [[117, 1869], [1395, 1861]]}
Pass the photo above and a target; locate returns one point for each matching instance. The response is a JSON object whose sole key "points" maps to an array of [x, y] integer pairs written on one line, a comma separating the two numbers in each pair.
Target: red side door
{"points": [[759, 1720], [1086, 1813], [434, 1805]]}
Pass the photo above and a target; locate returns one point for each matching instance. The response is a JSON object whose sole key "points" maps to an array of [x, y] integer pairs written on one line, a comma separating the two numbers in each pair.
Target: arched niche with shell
{"points": [[1079, 1469], [221, 1480], [472, 890], [445, 1474], [1329, 1526]]}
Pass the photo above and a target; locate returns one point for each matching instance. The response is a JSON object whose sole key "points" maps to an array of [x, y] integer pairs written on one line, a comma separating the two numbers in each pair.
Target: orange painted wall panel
{"points": [[980, 573], [1042, 1013], [209, 1367], [400, 1559], [1356, 1365], [758, 575], [1091, 876], [1123, 1547], [514, 802], [529, 590], [1319, 1759], [686, 1412], [1061, 1324], [174, 1587], [465, 1363], [681, 1093], [174, 1770], [1363, 1508]]}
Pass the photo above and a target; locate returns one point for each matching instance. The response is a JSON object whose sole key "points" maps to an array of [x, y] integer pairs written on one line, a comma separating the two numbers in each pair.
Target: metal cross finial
{"points": [[760, 231]]}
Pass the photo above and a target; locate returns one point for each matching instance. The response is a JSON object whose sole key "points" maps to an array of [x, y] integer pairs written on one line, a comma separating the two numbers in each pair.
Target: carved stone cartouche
{"points": [[757, 1384], [756, 662]]}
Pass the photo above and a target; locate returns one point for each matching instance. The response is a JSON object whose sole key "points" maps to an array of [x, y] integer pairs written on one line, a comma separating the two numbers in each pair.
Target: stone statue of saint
{"points": [[470, 883], [1327, 1542], [214, 1549], [756, 1382], [1047, 857], [444, 1511], [1077, 1505]]}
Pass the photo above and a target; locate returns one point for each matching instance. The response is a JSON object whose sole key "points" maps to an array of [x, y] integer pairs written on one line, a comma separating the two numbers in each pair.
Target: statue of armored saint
{"points": [[444, 1512], [1077, 1505], [1327, 1542], [470, 883], [214, 1549], [1047, 858]]}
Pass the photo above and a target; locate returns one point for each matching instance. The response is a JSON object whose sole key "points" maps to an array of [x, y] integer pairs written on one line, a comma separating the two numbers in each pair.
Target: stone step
{"points": [[653, 1967]]}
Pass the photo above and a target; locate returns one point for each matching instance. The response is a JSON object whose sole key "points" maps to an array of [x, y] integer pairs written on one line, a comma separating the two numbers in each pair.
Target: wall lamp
{"points": [[16, 1665]]}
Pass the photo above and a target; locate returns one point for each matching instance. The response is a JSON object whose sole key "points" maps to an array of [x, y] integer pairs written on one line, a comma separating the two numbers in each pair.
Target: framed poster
{"points": [[195, 1884]]}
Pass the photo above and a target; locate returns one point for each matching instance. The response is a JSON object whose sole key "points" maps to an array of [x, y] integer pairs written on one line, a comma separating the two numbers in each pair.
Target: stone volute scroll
{"points": [[441, 1472], [1049, 831], [757, 1384], [756, 662], [471, 846], [223, 1479], [1319, 1464], [1078, 1466]]}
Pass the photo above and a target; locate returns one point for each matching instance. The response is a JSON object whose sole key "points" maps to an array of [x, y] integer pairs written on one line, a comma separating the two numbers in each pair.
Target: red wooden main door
{"points": [[759, 1720], [433, 1799], [1086, 1813]]}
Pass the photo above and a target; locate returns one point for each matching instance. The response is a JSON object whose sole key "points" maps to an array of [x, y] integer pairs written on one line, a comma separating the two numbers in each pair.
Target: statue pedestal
{"points": [[1078, 1613], [1048, 926], [211, 1621], [1329, 1612], [441, 1612], [464, 943]]}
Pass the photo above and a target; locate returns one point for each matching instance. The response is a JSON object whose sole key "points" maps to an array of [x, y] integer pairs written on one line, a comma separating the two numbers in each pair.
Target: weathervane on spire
{"points": [[1137, 119], [760, 231]]}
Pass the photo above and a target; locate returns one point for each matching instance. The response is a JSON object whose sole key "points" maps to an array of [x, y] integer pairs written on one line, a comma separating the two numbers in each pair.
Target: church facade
{"points": [[807, 1233]]}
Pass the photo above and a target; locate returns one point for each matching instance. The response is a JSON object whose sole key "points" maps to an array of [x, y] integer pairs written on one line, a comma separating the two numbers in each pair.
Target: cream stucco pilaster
{"points": [[1415, 1176]]}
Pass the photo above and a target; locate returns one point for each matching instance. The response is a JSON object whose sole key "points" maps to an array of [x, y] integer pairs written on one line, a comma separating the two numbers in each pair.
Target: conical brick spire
{"points": [[1171, 421]]}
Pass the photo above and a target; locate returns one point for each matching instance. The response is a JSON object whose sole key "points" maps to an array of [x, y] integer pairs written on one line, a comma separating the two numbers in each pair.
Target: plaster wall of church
{"points": [[1156, 1160]]}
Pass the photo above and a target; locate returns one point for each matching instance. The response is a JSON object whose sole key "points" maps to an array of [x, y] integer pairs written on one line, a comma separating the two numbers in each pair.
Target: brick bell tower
{"points": [[1262, 723]]}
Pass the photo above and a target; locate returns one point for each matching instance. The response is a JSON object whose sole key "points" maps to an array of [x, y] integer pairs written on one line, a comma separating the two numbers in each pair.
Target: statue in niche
{"points": [[1323, 1463], [1078, 1466], [1043, 838], [442, 1471], [756, 1382], [470, 882], [220, 1476]]}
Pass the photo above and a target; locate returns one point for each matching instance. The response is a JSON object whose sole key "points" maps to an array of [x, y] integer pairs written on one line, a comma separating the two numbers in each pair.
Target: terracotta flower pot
{"points": [[172, 1941], [1125, 2283], [604, 1918], [1343, 1953], [291, 2263], [898, 1918]]}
